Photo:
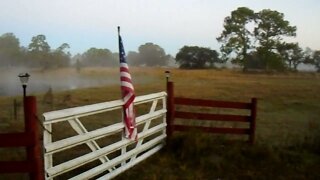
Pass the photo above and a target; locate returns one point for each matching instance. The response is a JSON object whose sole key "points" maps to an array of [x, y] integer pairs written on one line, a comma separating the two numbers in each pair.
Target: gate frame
{"points": [[127, 158]]}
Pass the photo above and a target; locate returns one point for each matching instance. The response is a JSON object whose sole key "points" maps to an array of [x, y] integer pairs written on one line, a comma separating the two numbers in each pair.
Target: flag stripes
{"points": [[128, 95]]}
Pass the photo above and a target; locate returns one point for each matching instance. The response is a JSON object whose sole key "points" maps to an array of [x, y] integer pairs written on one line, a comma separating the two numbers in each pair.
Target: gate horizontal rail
{"points": [[211, 103], [16, 140], [16, 167]]}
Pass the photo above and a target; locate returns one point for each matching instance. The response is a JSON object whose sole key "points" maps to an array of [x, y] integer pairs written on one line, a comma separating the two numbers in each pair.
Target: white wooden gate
{"points": [[115, 157]]}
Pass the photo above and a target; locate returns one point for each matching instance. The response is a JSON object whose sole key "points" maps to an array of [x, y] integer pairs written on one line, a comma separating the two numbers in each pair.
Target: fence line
{"points": [[176, 101]]}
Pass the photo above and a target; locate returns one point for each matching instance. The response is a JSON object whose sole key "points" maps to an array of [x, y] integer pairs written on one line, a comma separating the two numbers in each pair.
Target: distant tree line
{"points": [[252, 40], [40, 55], [37, 54], [148, 54]]}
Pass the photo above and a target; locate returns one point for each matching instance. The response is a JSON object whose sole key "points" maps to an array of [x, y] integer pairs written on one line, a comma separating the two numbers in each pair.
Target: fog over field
{"points": [[59, 80]]}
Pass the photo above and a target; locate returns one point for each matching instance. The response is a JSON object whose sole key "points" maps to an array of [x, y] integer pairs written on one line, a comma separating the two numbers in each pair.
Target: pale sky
{"points": [[169, 23]]}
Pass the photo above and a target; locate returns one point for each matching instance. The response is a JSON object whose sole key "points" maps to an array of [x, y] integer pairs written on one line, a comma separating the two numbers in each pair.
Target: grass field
{"points": [[287, 135]]}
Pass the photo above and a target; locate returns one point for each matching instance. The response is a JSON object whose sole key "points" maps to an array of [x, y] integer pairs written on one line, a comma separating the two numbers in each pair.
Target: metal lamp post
{"points": [[24, 78], [31, 125], [170, 106], [167, 75]]}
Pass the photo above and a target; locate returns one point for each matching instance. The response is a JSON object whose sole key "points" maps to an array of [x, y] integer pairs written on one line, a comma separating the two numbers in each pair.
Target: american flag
{"points": [[127, 94]]}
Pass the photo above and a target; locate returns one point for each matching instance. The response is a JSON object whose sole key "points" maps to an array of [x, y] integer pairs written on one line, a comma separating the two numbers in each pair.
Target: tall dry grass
{"points": [[287, 135]]}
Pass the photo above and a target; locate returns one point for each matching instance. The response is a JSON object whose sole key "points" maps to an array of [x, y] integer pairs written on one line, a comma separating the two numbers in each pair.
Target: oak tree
{"points": [[194, 57], [236, 36]]}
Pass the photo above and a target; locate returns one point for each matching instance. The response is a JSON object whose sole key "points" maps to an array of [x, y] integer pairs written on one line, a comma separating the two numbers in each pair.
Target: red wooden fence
{"points": [[172, 113], [29, 139]]}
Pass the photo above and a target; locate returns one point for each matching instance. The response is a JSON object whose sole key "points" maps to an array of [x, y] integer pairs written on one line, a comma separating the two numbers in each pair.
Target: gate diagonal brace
{"points": [[93, 145]]}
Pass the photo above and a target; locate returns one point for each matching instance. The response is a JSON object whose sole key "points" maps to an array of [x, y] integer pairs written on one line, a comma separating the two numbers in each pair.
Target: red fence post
{"points": [[253, 120], [34, 155], [170, 109]]}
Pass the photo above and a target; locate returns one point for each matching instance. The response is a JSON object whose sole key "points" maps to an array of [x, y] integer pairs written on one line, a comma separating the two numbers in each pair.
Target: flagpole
{"points": [[123, 149], [119, 42], [127, 94]]}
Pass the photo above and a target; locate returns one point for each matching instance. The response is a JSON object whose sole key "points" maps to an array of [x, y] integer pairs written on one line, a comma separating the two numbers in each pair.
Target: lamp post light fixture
{"points": [[24, 77], [167, 75]]}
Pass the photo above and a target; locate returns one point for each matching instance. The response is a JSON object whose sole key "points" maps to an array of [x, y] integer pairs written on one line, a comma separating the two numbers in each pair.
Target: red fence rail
{"points": [[28, 139], [172, 113]]}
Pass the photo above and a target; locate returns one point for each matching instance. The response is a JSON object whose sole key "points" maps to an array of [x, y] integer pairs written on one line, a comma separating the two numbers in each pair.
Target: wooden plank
{"points": [[15, 167], [217, 117], [79, 161], [47, 139], [98, 133], [65, 114], [16, 140], [81, 130], [121, 169], [253, 120], [150, 97], [212, 129], [150, 116], [83, 138], [171, 109], [211, 103], [117, 160]]}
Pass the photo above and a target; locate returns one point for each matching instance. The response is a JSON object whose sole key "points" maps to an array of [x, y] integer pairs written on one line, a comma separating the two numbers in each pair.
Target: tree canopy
{"points": [[39, 54], [269, 32], [9, 50], [236, 37], [98, 57], [316, 60], [194, 57], [61, 56], [148, 54], [250, 36], [39, 44]]}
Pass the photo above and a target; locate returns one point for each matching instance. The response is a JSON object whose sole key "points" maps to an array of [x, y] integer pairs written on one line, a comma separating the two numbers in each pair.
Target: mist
{"points": [[42, 81]]}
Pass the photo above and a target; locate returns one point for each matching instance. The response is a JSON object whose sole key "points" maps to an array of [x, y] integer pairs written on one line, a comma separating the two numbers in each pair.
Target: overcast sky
{"points": [[169, 23]]}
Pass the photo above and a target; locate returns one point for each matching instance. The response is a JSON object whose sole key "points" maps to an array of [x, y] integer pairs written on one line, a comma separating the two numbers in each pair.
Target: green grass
{"points": [[199, 157], [287, 135]]}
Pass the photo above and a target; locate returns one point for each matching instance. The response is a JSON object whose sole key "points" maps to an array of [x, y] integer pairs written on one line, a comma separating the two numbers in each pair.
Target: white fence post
{"points": [[124, 149]]}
